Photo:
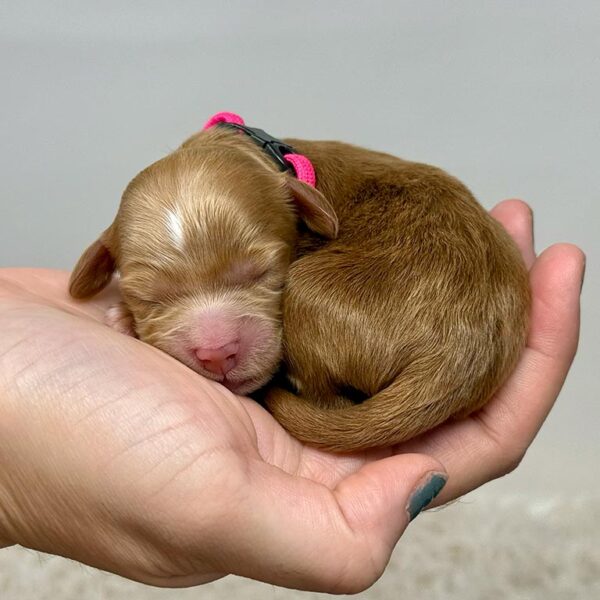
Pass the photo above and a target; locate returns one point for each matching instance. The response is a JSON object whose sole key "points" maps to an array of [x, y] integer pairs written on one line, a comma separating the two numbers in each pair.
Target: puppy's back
{"points": [[417, 311]]}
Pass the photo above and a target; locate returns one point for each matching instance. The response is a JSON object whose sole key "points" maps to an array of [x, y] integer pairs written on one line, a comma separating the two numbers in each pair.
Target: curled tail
{"points": [[407, 407]]}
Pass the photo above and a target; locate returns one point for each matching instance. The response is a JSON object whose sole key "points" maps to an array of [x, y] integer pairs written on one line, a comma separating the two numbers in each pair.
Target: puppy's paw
{"points": [[120, 318]]}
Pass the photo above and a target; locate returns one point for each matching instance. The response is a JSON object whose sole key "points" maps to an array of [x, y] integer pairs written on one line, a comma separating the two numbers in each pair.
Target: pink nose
{"points": [[218, 360]]}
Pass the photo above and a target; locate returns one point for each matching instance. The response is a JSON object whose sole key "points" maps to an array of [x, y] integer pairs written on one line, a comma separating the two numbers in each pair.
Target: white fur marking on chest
{"points": [[175, 229]]}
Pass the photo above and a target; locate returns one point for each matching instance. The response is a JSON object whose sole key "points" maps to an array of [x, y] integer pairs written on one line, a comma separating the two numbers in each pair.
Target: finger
{"points": [[517, 218], [551, 346], [50, 286], [28, 283], [304, 535], [493, 441]]}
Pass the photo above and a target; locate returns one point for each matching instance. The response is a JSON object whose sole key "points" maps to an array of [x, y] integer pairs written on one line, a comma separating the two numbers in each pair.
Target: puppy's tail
{"points": [[397, 413]]}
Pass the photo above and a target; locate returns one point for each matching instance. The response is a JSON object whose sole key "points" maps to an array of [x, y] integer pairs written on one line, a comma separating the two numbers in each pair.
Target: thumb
{"points": [[308, 536], [382, 497]]}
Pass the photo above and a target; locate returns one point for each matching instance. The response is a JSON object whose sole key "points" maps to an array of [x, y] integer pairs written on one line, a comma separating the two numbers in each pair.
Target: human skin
{"points": [[116, 455]]}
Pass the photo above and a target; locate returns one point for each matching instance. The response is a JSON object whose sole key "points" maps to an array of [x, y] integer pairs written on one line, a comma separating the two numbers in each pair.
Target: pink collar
{"points": [[301, 166]]}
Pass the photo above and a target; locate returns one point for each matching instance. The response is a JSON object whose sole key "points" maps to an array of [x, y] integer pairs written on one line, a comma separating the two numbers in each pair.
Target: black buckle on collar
{"points": [[272, 146]]}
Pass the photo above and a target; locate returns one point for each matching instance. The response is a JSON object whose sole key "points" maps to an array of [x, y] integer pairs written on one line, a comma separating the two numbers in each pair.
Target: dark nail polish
{"points": [[422, 497]]}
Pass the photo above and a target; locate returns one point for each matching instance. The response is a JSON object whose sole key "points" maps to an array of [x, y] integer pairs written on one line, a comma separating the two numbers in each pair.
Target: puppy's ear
{"points": [[94, 269], [315, 210]]}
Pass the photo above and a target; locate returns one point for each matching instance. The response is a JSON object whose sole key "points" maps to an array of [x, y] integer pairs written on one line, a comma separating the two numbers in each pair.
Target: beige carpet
{"points": [[512, 548]]}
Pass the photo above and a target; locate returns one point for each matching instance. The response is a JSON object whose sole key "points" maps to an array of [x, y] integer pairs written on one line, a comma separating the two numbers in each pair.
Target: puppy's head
{"points": [[202, 241]]}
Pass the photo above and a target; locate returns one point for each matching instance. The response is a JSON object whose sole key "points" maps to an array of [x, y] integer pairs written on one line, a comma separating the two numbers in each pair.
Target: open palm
{"points": [[122, 458]]}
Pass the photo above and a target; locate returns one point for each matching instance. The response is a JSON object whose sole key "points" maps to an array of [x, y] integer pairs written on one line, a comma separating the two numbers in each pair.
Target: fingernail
{"points": [[423, 495]]}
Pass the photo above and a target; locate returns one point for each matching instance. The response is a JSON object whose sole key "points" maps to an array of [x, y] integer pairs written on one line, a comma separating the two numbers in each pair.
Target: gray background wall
{"points": [[505, 95]]}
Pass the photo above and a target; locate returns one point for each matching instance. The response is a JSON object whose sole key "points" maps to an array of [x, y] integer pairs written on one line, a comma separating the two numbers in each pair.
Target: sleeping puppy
{"points": [[202, 241], [392, 299]]}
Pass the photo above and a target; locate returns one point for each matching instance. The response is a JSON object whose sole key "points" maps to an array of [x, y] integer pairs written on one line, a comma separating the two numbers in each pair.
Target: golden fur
{"points": [[416, 313], [404, 304]]}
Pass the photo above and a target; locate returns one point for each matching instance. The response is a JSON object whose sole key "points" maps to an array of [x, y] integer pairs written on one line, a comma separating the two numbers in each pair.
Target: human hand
{"points": [[117, 456]]}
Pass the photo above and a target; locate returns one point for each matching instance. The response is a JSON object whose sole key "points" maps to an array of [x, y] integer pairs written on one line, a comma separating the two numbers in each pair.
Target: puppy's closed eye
{"points": [[245, 271], [260, 264]]}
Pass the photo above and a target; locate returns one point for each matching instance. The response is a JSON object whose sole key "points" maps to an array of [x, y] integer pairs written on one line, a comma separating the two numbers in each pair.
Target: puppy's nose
{"points": [[218, 360]]}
